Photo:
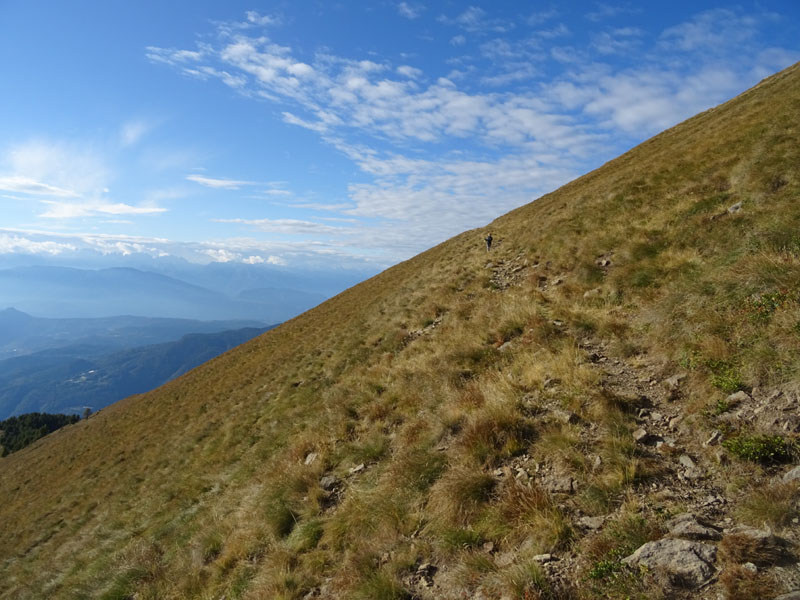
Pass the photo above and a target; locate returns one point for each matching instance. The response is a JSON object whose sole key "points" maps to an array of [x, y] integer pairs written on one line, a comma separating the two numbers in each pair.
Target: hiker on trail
{"points": [[488, 242]]}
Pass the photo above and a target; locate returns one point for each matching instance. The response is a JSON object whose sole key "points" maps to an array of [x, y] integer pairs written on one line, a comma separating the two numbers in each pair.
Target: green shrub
{"points": [[761, 307], [604, 568], [765, 449], [725, 376]]}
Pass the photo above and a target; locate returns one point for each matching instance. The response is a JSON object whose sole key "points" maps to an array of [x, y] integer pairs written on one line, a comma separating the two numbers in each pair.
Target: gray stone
{"points": [[795, 595], [504, 559], [737, 398], [713, 439], [687, 461], [683, 562], [592, 523], [674, 382], [311, 457], [329, 482], [560, 485], [734, 208], [565, 416], [640, 435], [544, 558], [588, 295], [688, 527], [750, 567], [793, 475], [358, 469]]}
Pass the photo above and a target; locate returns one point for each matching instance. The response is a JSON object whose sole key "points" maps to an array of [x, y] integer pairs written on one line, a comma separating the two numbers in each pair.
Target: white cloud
{"points": [[515, 131], [255, 18], [410, 11], [286, 226], [68, 169], [16, 244], [26, 185], [260, 260], [133, 131], [711, 31], [605, 10], [221, 255], [219, 183], [171, 56], [540, 17], [472, 19], [72, 210], [410, 72], [70, 180], [475, 19], [618, 41]]}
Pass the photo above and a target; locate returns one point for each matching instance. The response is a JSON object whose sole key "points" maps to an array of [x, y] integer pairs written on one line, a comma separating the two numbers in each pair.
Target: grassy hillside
{"points": [[433, 431]]}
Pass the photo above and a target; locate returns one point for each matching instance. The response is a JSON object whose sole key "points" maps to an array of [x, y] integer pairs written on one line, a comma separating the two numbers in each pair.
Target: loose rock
{"points": [[682, 562], [689, 527], [592, 523], [565, 416], [737, 398], [329, 482], [793, 475]]}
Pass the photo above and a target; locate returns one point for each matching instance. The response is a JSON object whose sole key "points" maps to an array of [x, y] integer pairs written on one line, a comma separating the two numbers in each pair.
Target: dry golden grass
{"points": [[200, 488]]}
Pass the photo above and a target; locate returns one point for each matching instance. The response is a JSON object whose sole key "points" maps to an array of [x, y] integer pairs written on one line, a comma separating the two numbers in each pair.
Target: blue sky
{"points": [[345, 134]]}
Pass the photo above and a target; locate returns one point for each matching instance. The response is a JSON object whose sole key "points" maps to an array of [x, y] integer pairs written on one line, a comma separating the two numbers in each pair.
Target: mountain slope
{"points": [[433, 431]]}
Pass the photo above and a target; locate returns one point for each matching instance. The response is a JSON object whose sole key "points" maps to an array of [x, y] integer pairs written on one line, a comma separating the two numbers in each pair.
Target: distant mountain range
{"points": [[69, 378], [21, 333], [85, 293]]}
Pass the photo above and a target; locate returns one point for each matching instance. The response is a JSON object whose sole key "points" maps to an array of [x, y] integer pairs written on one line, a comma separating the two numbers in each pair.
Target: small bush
{"points": [[306, 535], [737, 548], [461, 493], [776, 505], [381, 585], [497, 433], [743, 584], [765, 449]]}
